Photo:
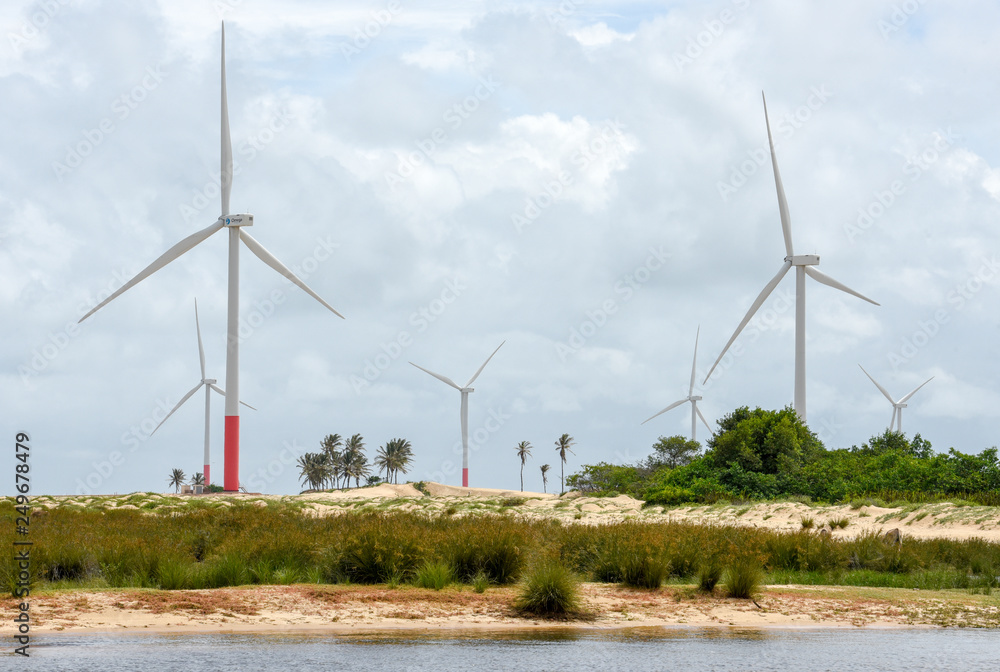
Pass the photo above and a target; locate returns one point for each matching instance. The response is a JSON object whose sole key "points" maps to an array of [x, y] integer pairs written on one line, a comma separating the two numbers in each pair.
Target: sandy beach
{"points": [[370, 608]]}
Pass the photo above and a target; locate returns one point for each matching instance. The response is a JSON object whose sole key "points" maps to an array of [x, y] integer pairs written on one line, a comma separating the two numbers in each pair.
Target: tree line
{"points": [[763, 454]]}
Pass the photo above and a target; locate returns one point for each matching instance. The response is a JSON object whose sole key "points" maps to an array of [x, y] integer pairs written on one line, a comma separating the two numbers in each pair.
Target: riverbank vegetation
{"points": [[280, 544]]}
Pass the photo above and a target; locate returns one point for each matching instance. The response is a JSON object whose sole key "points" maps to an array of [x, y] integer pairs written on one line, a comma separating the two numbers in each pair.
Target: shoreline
{"points": [[320, 609]]}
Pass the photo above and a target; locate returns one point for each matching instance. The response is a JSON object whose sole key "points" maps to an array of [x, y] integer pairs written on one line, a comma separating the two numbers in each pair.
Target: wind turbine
{"points": [[465, 390], [804, 265], [897, 406], [210, 385], [235, 223], [695, 413]]}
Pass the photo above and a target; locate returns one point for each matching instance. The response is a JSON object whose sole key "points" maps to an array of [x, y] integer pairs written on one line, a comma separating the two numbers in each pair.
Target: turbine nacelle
{"points": [[210, 381], [237, 220], [694, 398], [466, 390], [803, 259]]}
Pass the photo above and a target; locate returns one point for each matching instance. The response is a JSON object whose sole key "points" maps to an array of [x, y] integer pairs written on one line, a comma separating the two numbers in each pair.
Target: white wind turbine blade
{"points": [[201, 349], [179, 404], [914, 391], [694, 361], [704, 420], [786, 224], [892, 420], [273, 262], [819, 276], [164, 259], [223, 393], [226, 170], [768, 288], [439, 377], [671, 406], [882, 390], [473, 379]]}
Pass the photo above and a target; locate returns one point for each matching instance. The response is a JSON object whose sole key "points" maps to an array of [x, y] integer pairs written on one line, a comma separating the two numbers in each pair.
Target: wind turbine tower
{"points": [[465, 390], [236, 225], [210, 385], [804, 264]]}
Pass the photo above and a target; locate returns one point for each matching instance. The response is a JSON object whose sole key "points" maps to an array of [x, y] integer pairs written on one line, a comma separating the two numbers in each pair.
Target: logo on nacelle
{"points": [[237, 220]]}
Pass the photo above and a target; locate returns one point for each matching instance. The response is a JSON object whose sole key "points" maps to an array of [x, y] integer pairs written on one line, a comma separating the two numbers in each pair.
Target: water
{"points": [[638, 649]]}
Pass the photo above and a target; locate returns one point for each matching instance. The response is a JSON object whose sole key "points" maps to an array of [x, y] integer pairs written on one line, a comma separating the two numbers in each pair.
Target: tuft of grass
{"points": [[513, 501], [549, 590], [744, 577], [709, 574], [434, 574], [807, 523], [480, 582], [644, 570]]}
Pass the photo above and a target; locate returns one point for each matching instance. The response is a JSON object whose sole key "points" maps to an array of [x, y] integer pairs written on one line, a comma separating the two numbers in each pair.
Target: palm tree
{"points": [[545, 479], [398, 456], [355, 463], [330, 446], [313, 469], [562, 447], [524, 452], [382, 460], [198, 479], [176, 479]]}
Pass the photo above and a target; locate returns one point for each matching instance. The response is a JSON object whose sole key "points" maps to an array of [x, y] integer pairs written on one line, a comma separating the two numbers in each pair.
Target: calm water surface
{"points": [[534, 651]]}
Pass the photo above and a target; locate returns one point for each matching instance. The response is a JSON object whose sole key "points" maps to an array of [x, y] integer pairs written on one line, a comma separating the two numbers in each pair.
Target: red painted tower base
{"points": [[231, 463], [207, 479], [465, 478]]}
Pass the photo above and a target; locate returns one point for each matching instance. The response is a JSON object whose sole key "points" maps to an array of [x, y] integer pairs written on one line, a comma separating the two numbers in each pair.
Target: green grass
{"points": [[549, 590], [433, 574]]}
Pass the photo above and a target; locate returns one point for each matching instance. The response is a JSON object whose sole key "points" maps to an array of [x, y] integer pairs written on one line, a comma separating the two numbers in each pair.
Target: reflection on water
{"points": [[659, 648]]}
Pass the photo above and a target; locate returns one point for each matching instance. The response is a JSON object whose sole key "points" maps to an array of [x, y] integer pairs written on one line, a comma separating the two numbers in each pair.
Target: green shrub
{"points": [[744, 576], [433, 574], [669, 496], [709, 574], [549, 590]]}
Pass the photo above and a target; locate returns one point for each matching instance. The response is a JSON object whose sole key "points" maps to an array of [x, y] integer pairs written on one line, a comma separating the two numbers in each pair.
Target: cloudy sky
{"points": [[585, 181]]}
